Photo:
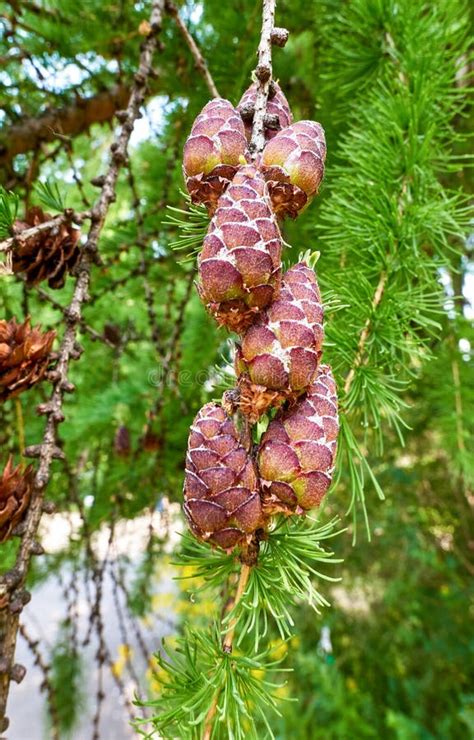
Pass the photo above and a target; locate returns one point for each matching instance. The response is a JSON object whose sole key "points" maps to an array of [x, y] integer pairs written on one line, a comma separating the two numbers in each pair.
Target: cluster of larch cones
{"points": [[232, 488]]}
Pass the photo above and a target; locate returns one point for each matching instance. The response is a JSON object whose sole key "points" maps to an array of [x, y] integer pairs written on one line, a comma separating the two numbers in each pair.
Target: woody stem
{"points": [[227, 646]]}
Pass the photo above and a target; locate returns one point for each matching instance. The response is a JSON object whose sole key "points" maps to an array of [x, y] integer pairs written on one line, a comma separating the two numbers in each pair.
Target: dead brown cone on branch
{"points": [[24, 356], [15, 494], [151, 442], [49, 255]]}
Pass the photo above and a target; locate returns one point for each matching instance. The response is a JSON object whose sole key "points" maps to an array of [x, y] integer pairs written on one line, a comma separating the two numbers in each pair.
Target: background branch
{"points": [[69, 121], [14, 581], [199, 60]]}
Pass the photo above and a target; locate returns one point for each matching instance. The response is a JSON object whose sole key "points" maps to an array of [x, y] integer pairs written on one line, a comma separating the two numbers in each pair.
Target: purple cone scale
{"points": [[277, 105], [240, 262], [280, 352], [297, 452], [293, 165], [221, 493], [213, 151]]}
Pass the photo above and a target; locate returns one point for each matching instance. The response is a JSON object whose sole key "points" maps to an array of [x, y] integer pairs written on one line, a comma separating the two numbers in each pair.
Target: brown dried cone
{"points": [[213, 151], [240, 262], [280, 352], [221, 495], [49, 255], [15, 494], [24, 356], [277, 105], [297, 452], [293, 165], [151, 442]]}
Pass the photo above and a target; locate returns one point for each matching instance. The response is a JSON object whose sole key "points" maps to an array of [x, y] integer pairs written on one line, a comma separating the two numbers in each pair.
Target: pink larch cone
{"points": [[213, 151], [293, 166], [280, 352], [297, 452], [221, 493], [240, 262]]}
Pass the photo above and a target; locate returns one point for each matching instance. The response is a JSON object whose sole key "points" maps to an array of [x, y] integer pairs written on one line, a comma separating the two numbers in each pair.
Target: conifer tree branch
{"points": [[402, 232], [263, 73], [199, 60], [209, 723], [13, 582]]}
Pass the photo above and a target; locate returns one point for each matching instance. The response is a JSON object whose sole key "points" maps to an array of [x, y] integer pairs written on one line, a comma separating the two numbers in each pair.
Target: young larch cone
{"points": [[49, 255], [293, 165], [297, 452], [24, 356], [213, 151], [221, 495], [277, 105], [15, 494], [240, 262], [280, 352]]}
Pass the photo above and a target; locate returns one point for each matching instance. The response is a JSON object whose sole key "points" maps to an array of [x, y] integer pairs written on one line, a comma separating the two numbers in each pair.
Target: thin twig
{"points": [[364, 335], [169, 358], [20, 424], [227, 646], [144, 263], [45, 296], [263, 74], [46, 684], [458, 405], [200, 62], [68, 216], [241, 586]]}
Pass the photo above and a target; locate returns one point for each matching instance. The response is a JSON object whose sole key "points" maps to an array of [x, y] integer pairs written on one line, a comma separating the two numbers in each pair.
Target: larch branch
{"points": [[13, 582], [199, 60], [68, 216], [227, 646]]}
